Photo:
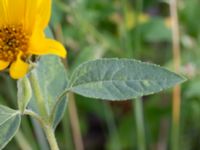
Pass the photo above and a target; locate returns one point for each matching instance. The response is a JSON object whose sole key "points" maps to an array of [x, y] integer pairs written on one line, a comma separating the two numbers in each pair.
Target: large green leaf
{"points": [[120, 79], [9, 124], [51, 76]]}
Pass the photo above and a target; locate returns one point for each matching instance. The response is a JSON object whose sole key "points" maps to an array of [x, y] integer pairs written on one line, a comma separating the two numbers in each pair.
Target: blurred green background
{"points": [[92, 29]]}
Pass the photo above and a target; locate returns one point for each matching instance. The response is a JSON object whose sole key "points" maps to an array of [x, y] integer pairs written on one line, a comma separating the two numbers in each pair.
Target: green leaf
{"points": [[9, 124], [120, 79], [24, 93], [58, 112], [51, 77]]}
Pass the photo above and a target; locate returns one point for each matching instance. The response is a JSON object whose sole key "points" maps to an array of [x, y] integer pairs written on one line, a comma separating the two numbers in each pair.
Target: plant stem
{"points": [[42, 109], [51, 138], [138, 103], [28, 133], [36, 116], [177, 89], [140, 124], [75, 123], [137, 44], [112, 128], [126, 40], [38, 95], [21, 140], [39, 135], [66, 129], [47, 129]]}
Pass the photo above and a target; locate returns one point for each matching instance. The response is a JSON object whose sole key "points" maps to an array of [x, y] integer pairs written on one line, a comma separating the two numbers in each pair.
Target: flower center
{"points": [[13, 39]]}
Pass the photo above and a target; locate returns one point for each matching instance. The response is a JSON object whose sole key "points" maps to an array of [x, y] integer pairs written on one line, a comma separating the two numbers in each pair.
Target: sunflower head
{"points": [[13, 40], [22, 35]]}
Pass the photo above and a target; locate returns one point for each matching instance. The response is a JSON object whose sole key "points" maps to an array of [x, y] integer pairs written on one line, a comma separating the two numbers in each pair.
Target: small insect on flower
{"points": [[22, 24]]}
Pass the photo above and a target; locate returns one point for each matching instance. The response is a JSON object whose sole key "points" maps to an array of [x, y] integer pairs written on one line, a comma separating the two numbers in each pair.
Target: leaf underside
{"points": [[9, 124]]}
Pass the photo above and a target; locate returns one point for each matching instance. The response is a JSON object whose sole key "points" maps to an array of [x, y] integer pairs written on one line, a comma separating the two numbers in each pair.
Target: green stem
{"points": [[42, 109], [36, 116], [51, 138], [21, 140], [112, 126], [39, 135], [139, 6], [138, 102], [126, 39], [38, 95], [66, 129], [175, 136], [47, 129], [28, 133], [140, 124]]}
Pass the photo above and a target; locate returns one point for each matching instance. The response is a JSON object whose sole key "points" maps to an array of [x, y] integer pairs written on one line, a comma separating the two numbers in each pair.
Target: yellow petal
{"points": [[37, 14], [18, 12], [29, 13], [18, 69], [39, 45], [3, 14], [43, 13], [15, 11], [3, 64], [49, 46]]}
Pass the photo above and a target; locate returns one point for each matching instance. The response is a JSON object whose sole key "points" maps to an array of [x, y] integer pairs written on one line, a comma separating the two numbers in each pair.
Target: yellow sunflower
{"points": [[22, 24]]}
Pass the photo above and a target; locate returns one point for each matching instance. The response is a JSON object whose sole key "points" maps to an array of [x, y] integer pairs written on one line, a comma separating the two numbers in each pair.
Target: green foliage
{"points": [[120, 79], [112, 79], [24, 93], [9, 124], [52, 80], [95, 29]]}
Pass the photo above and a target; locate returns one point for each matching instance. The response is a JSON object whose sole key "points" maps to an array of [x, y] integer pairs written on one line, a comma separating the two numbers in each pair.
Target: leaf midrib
{"points": [[104, 81], [14, 114]]}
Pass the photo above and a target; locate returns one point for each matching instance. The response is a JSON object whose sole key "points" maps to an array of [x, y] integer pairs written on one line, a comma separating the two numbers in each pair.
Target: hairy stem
{"points": [[51, 138], [47, 129], [42, 109], [38, 95]]}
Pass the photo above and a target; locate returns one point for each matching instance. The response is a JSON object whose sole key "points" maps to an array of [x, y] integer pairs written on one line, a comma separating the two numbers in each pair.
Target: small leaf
{"points": [[24, 93], [9, 124], [120, 79]]}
